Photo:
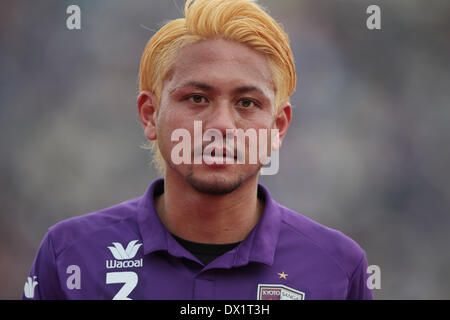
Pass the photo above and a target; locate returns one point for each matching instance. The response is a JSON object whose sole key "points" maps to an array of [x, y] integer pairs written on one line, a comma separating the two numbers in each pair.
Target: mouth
{"points": [[212, 156], [225, 154], [215, 158]]}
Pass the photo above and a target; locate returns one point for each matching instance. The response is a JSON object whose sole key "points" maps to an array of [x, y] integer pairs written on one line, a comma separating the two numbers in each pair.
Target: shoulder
{"points": [[114, 219], [339, 248]]}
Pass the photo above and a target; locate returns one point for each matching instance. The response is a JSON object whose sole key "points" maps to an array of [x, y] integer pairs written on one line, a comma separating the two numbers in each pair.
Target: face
{"points": [[228, 87]]}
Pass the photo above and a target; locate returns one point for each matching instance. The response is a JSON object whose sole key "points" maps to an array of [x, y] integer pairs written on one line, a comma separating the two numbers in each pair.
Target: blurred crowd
{"points": [[366, 153]]}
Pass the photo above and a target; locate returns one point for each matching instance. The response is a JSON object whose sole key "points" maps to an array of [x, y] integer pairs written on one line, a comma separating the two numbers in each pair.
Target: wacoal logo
{"points": [[122, 254], [28, 289]]}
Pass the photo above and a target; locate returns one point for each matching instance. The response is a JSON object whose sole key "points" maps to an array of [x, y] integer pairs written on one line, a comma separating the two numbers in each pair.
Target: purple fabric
{"points": [[125, 252]]}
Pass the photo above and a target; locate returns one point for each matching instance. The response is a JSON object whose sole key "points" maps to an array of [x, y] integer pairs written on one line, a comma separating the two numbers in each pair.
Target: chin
{"points": [[216, 180], [214, 184]]}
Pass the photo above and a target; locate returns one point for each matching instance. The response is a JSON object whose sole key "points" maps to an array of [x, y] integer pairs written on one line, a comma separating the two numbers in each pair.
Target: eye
{"points": [[196, 98], [247, 103]]}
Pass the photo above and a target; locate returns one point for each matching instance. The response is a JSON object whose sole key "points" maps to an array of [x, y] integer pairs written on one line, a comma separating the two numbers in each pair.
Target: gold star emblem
{"points": [[283, 275]]}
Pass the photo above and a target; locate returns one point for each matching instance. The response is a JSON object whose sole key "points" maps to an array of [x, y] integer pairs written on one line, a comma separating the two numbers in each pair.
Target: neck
{"points": [[205, 218]]}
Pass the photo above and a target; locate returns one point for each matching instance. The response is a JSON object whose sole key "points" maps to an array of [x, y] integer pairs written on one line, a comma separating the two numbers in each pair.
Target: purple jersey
{"points": [[125, 252]]}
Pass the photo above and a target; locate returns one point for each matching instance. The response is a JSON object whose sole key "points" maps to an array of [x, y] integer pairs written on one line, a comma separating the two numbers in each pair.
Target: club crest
{"points": [[278, 292]]}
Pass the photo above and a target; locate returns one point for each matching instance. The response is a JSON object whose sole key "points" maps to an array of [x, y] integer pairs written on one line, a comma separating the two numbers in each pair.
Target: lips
{"points": [[211, 155], [226, 153]]}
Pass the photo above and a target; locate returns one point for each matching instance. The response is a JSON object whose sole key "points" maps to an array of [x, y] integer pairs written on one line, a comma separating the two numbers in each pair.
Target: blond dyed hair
{"points": [[243, 21]]}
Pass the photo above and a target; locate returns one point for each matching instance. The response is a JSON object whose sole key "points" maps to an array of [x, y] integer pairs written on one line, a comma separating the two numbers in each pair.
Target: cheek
{"points": [[262, 127], [171, 122]]}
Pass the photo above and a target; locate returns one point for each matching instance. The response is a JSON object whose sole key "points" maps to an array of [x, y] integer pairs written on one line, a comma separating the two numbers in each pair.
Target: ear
{"points": [[281, 122], [147, 109]]}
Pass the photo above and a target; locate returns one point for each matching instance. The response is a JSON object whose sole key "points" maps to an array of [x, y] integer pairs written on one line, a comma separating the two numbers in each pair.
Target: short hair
{"points": [[242, 21]]}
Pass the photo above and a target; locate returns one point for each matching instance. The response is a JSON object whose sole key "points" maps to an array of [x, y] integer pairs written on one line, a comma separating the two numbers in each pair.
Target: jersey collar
{"points": [[259, 246]]}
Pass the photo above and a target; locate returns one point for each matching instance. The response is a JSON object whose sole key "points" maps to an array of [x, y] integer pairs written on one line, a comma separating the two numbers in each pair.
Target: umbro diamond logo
{"points": [[120, 253]]}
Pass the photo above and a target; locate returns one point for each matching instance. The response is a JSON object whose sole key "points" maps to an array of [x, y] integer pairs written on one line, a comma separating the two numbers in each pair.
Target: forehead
{"points": [[222, 62]]}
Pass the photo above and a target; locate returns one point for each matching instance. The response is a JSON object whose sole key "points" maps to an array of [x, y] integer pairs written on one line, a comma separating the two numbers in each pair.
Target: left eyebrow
{"points": [[246, 89]]}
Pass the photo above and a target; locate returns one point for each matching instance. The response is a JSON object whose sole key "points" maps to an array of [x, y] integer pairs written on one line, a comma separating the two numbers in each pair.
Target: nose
{"points": [[220, 118]]}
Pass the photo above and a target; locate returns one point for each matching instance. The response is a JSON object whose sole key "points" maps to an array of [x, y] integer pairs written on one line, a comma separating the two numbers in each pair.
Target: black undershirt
{"points": [[205, 252]]}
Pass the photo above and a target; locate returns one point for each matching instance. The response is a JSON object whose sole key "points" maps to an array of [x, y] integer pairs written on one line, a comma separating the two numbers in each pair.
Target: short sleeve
{"points": [[43, 281], [358, 289]]}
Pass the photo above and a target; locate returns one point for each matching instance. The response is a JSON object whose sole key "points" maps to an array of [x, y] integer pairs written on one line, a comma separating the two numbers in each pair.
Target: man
{"points": [[207, 230]]}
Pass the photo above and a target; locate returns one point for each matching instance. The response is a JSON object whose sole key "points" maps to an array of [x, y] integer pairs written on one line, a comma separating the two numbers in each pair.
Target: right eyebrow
{"points": [[195, 84]]}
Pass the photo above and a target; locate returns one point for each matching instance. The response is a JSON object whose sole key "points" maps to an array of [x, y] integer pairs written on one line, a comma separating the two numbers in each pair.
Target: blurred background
{"points": [[367, 152]]}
